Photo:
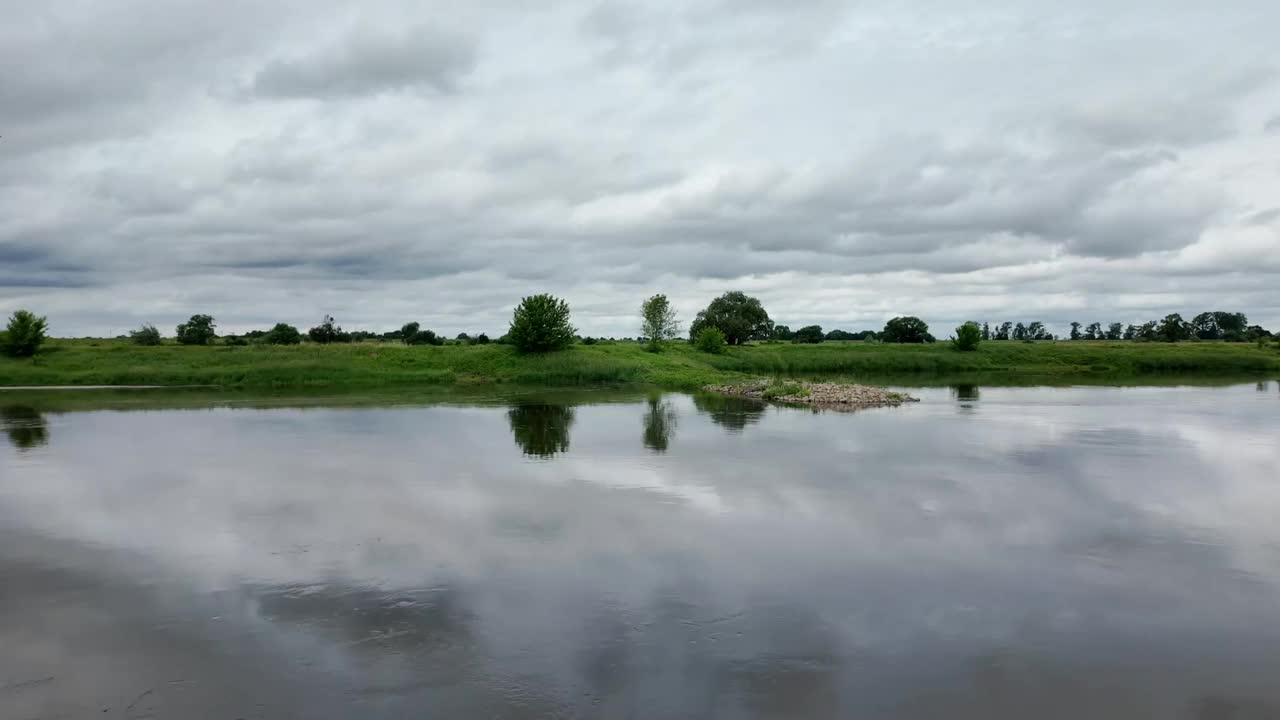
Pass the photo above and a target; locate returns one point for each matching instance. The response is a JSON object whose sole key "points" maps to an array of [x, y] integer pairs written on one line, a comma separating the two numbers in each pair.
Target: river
{"points": [[988, 552]]}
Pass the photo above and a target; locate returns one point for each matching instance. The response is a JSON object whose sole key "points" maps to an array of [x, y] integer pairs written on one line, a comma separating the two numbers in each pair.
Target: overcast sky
{"points": [[845, 161]]}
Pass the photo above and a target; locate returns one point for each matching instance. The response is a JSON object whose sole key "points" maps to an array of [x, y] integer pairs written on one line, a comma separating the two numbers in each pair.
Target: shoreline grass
{"points": [[679, 366]]}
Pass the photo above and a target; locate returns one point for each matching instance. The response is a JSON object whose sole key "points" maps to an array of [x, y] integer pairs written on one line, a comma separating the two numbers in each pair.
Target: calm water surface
{"points": [[986, 553]]}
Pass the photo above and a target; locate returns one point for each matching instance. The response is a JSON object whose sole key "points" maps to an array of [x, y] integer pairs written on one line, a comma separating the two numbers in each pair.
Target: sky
{"points": [[846, 162]]}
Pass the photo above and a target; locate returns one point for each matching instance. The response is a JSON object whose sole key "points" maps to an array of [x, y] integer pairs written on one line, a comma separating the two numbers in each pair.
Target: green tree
{"points": [[199, 330], [1037, 331], [908, 329], [782, 332], [1131, 332], [282, 334], [1093, 332], [482, 339], [540, 323], [1005, 332], [1075, 331], [1173, 328], [24, 335], [1115, 331], [841, 335], [967, 337], [1019, 332], [146, 335], [710, 340], [1148, 331], [986, 331], [810, 334], [738, 316], [658, 321]]}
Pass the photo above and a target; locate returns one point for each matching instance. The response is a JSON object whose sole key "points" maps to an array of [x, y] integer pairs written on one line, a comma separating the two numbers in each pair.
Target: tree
{"points": [[908, 329], [540, 323], [463, 339], [1019, 332], [1005, 331], [146, 335], [710, 340], [199, 330], [1131, 332], [986, 331], [1148, 331], [421, 337], [1093, 332], [1233, 326], [408, 331], [282, 334], [24, 334], [658, 321], [810, 334], [1075, 331], [1173, 328], [1037, 331], [739, 317], [782, 332], [1115, 331], [842, 335], [482, 339], [326, 332], [967, 337]]}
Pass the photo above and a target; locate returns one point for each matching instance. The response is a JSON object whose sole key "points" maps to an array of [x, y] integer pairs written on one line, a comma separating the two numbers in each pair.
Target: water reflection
{"points": [[660, 419], [541, 429], [732, 413], [966, 393], [25, 426]]}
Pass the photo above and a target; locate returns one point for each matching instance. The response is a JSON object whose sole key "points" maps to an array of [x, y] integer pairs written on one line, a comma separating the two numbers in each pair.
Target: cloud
{"points": [[846, 162], [370, 62]]}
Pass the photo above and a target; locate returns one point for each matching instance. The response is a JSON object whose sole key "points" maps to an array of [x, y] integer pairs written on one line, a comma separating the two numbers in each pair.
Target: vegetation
{"points": [[784, 388], [389, 363], [282, 334], [147, 336], [658, 321], [967, 337], [327, 332], [737, 316], [711, 340], [199, 330], [810, 334], [906, 330], [541, 324], [23, 335]]}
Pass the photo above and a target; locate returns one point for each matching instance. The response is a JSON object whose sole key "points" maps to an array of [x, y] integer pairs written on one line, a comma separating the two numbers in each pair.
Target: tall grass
{"points": [[114, 362]]}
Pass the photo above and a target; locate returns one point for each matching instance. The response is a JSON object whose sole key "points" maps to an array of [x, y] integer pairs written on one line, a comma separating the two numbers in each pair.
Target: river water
{"points": [[1088, 552]]}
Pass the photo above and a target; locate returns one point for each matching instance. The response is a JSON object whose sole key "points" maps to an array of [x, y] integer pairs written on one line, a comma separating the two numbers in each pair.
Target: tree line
{"points": [[542, 323]]}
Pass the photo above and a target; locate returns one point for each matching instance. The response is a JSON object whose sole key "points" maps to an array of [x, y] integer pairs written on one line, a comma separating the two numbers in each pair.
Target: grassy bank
{"points": [[118, 362]]}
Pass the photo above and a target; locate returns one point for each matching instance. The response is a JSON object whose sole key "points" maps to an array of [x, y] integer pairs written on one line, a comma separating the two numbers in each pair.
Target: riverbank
{"points": [[119, 362]]}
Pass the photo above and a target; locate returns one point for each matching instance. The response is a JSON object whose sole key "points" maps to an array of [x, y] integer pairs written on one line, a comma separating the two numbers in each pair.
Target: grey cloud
{"points": [[370, 62], [1273, 125]]}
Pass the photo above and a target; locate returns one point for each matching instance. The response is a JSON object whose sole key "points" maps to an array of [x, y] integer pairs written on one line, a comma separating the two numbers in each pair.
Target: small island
{"points": [[819, 394]]}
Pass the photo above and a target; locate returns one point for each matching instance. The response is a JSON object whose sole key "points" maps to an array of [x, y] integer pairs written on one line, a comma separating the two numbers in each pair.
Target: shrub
{"points": [[24, 334], [326, 332], [710, 340], [907, 329], [810, 335], [282, 334], [199, 330], [146, 335], [589, 341], [540, 323], [737, 316], [422, 337], [967, 337], [235, 341], [482, 339]]}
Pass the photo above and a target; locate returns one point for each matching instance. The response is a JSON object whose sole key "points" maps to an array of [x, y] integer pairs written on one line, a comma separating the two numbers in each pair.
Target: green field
{"points": [[119, 362]]}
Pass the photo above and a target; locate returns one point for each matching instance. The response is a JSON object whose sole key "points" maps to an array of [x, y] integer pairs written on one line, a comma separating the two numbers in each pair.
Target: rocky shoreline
{"points": [[829, 395]]}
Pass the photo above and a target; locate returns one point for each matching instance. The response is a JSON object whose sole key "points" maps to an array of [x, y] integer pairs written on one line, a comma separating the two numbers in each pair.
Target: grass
{"points": [[679, 366]]}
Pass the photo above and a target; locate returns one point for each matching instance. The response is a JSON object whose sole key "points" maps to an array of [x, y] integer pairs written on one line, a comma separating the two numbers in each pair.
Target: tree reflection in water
{"points": [[541, 429]]}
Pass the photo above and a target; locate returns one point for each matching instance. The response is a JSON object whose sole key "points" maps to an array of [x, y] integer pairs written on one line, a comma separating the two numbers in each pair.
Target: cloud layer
{"points": [[847, 162]]}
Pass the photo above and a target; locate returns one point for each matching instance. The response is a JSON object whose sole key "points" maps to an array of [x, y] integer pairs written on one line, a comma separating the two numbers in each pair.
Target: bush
{"points": [[710, 340], [540, 323], [327, 332], [907, 329], [146, 335], [967, 337], [235, 341], [24, 334], [282, 334], [589, 341], [482, 339], [199, 330], [809, 335], [422, 337]]}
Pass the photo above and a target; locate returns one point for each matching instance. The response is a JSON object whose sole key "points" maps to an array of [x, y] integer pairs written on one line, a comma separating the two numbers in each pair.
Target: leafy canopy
{"points": [[540, 323]]}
